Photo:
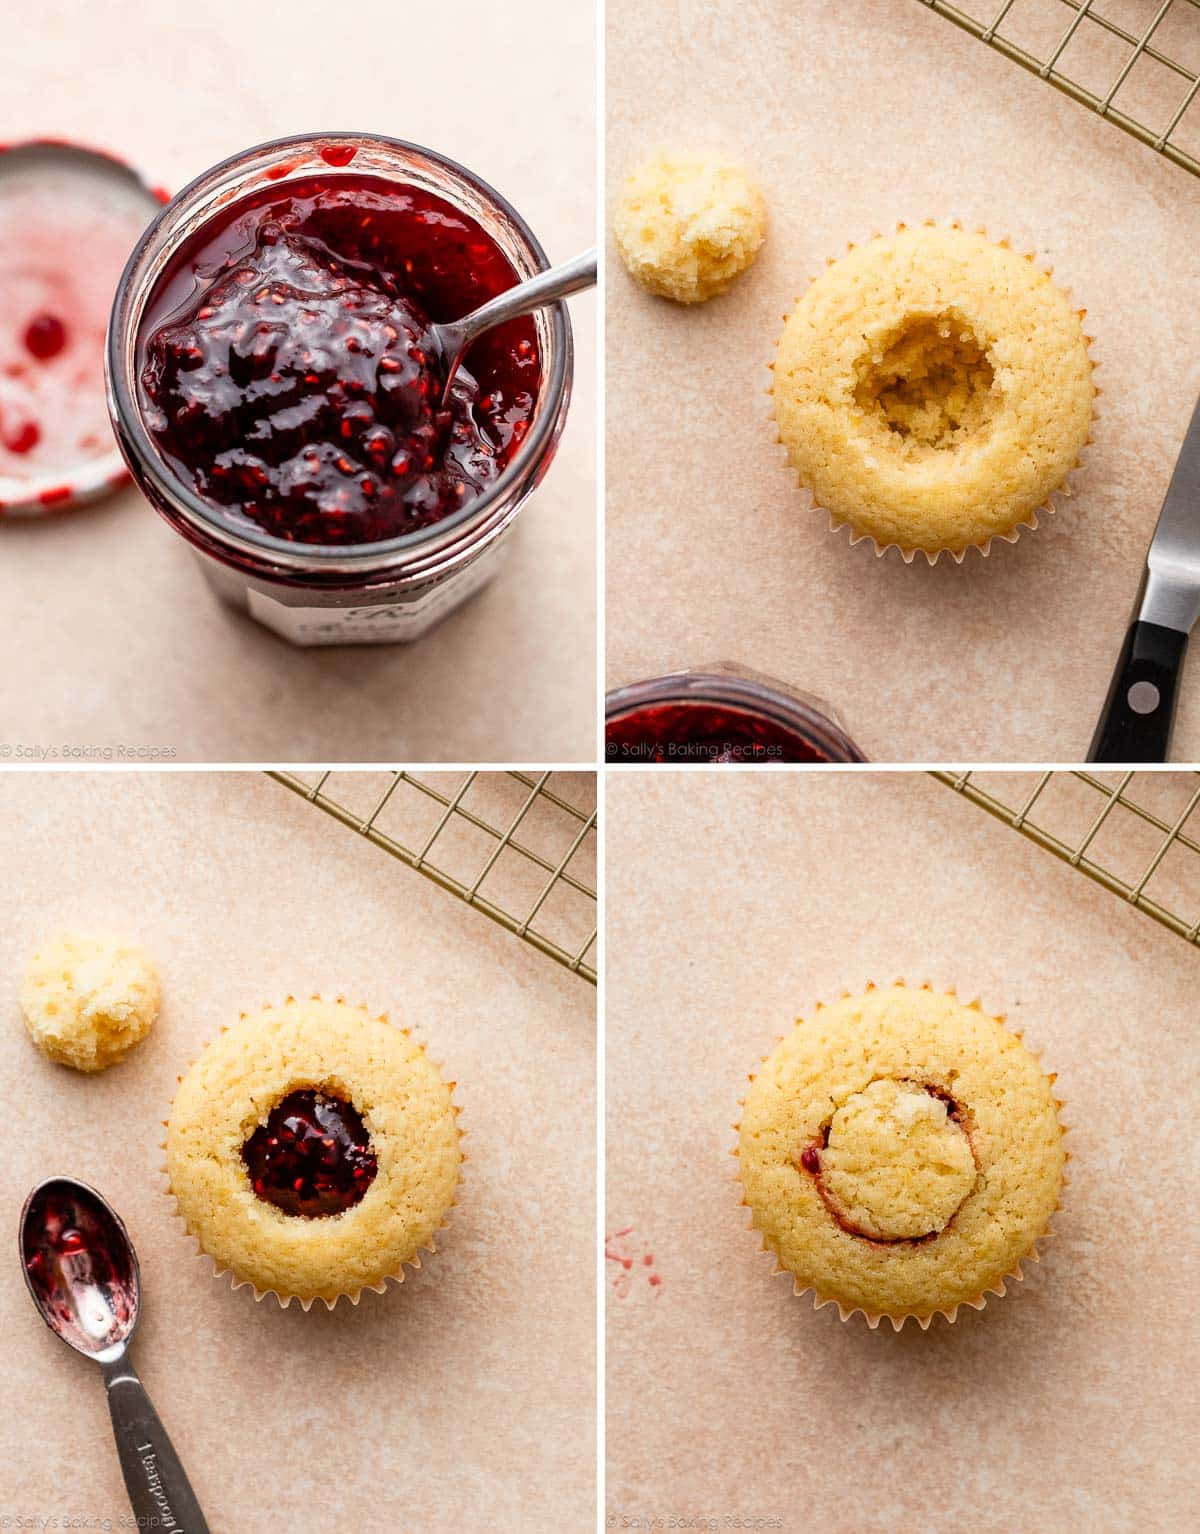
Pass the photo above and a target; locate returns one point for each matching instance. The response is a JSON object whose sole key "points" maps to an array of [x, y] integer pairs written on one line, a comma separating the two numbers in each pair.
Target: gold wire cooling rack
{"points": [[1135, 62], [1126, 831], [520, 847]]}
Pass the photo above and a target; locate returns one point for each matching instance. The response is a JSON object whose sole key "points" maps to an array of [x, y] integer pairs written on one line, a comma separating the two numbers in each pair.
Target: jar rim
{"points": [[332, 559]]}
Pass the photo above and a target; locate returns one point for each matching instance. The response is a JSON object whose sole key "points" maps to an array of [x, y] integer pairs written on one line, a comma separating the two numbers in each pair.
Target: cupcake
{"points": [[313, 1150], [901, 1154], [686, 226], [933, 391]]}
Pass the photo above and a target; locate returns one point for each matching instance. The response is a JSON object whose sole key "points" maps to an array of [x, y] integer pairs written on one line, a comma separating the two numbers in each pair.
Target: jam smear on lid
{"points": [[45, 336]]}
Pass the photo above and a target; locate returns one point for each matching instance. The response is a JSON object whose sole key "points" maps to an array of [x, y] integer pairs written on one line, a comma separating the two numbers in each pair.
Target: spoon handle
{"points": [[558, 282], [157, 1484]]}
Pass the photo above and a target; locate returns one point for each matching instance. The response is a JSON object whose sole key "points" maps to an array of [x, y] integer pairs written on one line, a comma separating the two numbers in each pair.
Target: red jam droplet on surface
{"points": [[290, 374], [312, 1157], [702, 732], [24, 438], [45, 336], [338, 155], [810, 1159]]}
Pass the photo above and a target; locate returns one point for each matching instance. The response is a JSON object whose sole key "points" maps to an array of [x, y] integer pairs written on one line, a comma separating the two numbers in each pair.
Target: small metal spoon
{"points": [[453, 339], [82, 1273]]}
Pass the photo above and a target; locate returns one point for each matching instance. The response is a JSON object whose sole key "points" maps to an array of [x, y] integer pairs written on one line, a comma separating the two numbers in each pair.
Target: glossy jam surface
{"points": [[64, 239], [289, 374], [74, 1255], [702, 732], [312, 1157]]}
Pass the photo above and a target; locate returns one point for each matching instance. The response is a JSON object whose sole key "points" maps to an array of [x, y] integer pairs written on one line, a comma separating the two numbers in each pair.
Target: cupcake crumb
{"points": [[687, 225], [86, 1001]]}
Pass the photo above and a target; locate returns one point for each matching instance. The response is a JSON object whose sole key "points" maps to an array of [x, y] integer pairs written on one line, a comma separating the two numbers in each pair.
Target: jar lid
{"points": [[69, 218]]}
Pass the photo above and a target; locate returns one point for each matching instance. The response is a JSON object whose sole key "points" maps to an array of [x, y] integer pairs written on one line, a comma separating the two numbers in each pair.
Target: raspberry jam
{"points": [[45, 336], [74, 1257], [810, 1159], [699, 732], [312, 1157], [721, 714], [289, 375]]}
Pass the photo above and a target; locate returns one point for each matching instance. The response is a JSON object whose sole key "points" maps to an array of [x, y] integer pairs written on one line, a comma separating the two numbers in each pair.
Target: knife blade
{"points": [[1139, 712]]}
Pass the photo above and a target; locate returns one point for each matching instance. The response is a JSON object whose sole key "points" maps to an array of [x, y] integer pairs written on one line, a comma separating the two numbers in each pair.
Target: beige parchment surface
{"points": [[735, 902], [112, 636], [855, 114], [462, 1399]]}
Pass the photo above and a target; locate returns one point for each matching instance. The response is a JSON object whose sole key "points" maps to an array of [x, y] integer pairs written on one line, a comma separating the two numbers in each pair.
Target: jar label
{"points": [[381, 622]]}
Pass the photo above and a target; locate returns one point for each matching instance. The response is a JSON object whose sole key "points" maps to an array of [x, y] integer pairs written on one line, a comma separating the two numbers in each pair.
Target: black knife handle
{"points": [[1140, 708]]}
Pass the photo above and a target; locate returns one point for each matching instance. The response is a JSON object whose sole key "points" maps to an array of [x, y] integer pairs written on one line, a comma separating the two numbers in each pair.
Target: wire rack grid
{"points": [[517, 846], [1134, 62], [1125, 831]]}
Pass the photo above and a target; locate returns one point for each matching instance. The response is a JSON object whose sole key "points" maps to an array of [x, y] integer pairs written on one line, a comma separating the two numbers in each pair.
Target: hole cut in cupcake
{"points": [[312, 1157], [928, 385]]}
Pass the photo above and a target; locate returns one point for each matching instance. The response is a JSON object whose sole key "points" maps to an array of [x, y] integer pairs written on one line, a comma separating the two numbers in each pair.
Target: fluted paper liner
{"points": [[1030, 522], [352, 1295], [998, 1286]]}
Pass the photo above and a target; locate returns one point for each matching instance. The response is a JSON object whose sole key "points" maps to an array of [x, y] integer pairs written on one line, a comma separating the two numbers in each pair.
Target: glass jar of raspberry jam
{"points": [[275, 392], [721, 713]]}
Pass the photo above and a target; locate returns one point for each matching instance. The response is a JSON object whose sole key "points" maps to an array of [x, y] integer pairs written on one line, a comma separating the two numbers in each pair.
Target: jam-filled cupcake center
{"points": [[928, 385], [896, 1161], [312, 1157]]}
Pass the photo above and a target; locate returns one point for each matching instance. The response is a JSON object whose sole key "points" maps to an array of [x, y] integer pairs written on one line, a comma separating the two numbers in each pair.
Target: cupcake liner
{"points": [[352, 1295], [1046, 508], [997, 1286]]}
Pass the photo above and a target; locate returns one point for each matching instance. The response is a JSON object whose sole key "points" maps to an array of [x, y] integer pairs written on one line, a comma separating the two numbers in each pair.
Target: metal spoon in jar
{"points": [[82, 1273], [453, 339]]}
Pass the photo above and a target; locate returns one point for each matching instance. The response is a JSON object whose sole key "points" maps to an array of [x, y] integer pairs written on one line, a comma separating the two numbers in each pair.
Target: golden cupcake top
{"points": [[313, 1150], [901, 1153], [933, 390], [87, 999], [895, 1161], [686, 225]]}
